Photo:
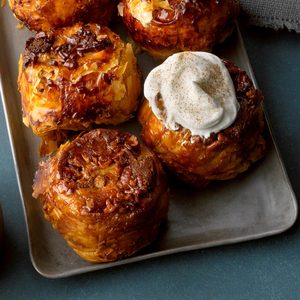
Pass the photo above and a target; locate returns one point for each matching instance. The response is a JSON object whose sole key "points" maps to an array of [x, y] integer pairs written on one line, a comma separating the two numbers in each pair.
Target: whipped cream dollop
{"points": [[194, 90]]}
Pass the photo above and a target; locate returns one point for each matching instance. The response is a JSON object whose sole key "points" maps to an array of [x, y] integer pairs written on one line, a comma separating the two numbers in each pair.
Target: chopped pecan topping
{"points": [[85, 40], [41, 43]]}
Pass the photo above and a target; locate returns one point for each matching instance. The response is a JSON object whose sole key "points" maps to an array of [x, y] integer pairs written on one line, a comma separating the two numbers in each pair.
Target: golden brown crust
{"points": [[185, 25], [77, 76], [105, 193], [44, 15], [224, 155]]}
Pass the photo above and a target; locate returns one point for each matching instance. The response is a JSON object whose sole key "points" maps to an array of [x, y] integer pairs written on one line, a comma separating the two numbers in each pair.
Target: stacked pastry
{"points": [[202, 118], [103, 191]]}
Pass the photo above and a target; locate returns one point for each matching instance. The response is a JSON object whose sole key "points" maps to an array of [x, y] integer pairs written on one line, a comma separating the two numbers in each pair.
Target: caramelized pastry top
{"points": [[164, 27], [68, 50], [102, 164]]}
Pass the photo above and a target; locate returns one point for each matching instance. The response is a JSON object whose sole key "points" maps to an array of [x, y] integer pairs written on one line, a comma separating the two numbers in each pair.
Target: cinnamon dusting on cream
{"points": [[196, 92]]}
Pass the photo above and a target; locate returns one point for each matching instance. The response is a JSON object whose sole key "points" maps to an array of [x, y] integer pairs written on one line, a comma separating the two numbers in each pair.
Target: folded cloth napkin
{"points": [[273, 13]]}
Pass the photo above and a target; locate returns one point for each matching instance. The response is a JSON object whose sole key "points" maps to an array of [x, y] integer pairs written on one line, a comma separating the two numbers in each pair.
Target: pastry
{"points": [[75, 77], [163, 27], [44, 15], [105, 193], [203, 117]]}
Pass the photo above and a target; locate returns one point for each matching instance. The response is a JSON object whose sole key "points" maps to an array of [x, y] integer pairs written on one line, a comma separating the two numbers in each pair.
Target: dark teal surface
{"points": [[264, 269]]}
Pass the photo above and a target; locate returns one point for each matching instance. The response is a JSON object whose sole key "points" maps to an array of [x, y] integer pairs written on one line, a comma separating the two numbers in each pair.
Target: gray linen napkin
{"points": [[273, 13]]}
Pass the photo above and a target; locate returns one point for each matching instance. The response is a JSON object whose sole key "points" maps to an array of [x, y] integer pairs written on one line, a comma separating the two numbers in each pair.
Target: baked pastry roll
{"points": [[219, 155], [163, 27], [105, 193], [74, 77], [44, 15]]}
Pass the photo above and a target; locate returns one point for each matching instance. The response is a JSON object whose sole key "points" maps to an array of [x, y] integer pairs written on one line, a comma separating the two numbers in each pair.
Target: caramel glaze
{"points": [[223, 155], [82, 42], [195, 25], [105, 193], [74, 77], [45, 15]]}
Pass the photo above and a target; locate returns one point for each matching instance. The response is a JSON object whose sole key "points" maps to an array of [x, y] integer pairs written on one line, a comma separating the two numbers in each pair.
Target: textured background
{"points": [[273, 13]]}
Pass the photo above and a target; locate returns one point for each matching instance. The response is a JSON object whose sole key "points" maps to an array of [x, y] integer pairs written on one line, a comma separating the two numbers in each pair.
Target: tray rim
{"points": [[95, 267]]}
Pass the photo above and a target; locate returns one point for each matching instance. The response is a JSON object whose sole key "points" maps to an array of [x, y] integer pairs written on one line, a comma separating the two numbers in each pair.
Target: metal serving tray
{"points": [[254, 205]]}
